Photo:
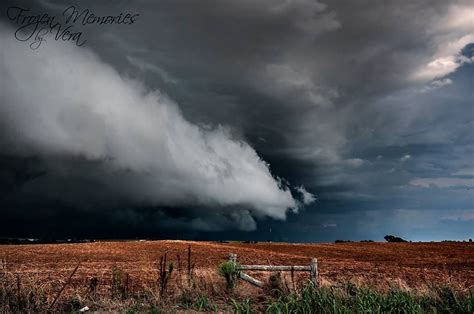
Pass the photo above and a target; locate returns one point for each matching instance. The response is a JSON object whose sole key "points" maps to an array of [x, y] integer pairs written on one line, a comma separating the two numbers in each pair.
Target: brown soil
{"points": [[379, 264]]}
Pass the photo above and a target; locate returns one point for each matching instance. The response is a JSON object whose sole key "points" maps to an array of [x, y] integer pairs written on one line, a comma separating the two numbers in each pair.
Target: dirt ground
{"points": [[373, 264]]}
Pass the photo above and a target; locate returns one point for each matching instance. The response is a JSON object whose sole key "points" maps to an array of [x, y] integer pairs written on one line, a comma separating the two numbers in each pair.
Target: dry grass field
{"points": [[132, 268]]}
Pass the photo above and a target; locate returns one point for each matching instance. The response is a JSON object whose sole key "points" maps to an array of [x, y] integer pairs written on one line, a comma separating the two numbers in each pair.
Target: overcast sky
{"points": [[283, 120]]}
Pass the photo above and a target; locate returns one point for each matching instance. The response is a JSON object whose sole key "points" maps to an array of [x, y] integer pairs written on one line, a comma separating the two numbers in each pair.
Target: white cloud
{"points": [[437, 68], [451, 33], [308, 198], [63, 101]]}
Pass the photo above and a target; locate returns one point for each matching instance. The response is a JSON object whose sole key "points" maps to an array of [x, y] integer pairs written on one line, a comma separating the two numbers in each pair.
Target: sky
{"points": [[300, 121]]}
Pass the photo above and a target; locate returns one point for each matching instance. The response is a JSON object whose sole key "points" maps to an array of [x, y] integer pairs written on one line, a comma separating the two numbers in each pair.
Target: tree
{"points": [[391, 238]]}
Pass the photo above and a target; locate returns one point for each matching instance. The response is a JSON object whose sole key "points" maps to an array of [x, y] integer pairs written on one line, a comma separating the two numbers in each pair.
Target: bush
{"points": [[229, 271]]}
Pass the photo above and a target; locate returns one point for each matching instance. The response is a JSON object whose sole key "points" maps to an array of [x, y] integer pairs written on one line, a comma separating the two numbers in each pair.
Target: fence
{"points": [[312, 269]]}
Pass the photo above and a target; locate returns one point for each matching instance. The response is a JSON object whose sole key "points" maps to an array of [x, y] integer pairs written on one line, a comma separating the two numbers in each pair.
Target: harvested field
{"points": [[377, 265], [413, 263]]}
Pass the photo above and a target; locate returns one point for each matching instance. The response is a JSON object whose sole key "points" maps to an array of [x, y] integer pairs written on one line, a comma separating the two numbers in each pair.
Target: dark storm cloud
{"points": [[102, 129], [363, 103]]}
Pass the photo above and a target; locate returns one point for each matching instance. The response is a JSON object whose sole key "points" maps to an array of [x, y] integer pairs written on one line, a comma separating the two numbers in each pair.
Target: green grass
{"points": [[242, 307], [364, 300], [347, 298]]}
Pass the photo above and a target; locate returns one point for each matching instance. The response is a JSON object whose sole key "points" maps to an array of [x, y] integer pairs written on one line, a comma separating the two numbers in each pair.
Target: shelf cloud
{"points": [[64, 104]]}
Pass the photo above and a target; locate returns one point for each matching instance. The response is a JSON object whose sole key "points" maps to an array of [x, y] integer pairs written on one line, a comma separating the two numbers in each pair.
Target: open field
{"points": [[134, 266], [412, 263]]}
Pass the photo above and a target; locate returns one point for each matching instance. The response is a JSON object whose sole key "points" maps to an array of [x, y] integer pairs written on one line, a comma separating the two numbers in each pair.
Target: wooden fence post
{"points": [[233, 258], [251, 280], [312, 268], [314, 271], [190, 267]]}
